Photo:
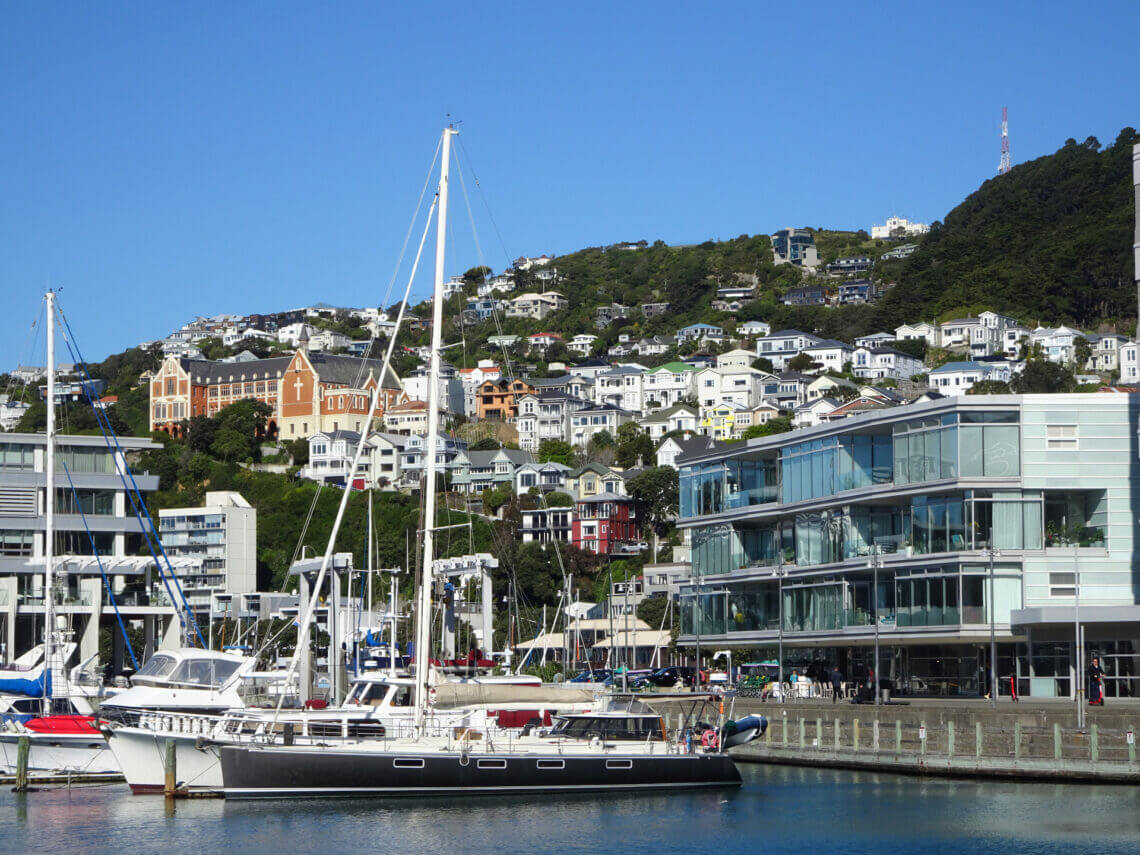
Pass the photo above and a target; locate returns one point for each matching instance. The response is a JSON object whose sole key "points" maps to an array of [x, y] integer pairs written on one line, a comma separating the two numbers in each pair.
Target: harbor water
{"points": [[778, 810]]}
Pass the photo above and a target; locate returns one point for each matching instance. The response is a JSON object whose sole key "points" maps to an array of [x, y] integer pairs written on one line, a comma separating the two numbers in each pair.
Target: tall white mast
{"points": [[423, 615], [49, 496]]}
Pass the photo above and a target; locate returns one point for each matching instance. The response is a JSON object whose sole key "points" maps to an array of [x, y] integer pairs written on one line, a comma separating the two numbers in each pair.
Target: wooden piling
{"points": [[1094, 742], [23, 749], [950, 738], [170, 769], [1056, 740]]}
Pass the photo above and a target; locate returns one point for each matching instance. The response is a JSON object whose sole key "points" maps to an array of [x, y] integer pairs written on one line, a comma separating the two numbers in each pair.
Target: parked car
{"points": [[598, 675], [666, 678]]}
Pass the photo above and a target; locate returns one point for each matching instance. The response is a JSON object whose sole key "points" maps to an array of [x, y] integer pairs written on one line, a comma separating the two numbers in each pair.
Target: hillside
{"points": [[1050, 241]]}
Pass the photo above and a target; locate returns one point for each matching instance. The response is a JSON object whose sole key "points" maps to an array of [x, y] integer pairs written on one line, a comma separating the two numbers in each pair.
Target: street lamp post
{"points": [[876, 561], [1078, 648], [780, 573], [993, 553]]}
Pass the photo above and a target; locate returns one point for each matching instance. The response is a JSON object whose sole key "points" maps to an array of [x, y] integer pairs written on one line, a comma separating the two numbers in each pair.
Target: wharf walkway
{"points": [[1033, 739]]}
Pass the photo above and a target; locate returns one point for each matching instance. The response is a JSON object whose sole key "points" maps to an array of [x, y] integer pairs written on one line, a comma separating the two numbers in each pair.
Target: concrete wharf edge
{"points": [[1025, 768]]}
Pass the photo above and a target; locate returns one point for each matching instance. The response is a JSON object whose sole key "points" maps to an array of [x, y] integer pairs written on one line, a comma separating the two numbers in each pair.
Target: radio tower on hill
{"points": [[1003, 166]]}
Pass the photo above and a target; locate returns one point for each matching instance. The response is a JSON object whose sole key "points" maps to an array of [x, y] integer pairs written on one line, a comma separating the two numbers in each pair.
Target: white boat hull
{"points": [[78, 753], [141, 754]]}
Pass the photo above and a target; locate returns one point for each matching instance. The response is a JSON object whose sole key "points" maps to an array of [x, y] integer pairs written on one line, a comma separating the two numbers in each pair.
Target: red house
{"points": [[605, 523]]}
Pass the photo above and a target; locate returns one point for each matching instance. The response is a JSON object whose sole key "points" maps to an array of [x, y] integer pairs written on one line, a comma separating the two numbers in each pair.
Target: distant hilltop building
{"points": [[795, 246], [898, 227]]}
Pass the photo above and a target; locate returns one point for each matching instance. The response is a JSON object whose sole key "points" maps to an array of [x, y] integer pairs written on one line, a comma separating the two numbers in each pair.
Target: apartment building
{"points": [[934, 522]]}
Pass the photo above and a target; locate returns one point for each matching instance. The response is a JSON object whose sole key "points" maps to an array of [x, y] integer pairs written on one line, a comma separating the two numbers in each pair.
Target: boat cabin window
{"points": [[204, 672], [367, 693], [401, 696], [609, 727], [160, 665]]}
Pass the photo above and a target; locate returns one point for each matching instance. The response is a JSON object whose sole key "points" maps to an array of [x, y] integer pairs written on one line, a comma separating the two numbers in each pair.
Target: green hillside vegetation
{"points": [[1049, 242]]}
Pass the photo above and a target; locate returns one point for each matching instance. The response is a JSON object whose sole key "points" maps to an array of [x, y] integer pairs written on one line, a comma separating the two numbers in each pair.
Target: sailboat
{"points": [[60, 738], [622, 746]]}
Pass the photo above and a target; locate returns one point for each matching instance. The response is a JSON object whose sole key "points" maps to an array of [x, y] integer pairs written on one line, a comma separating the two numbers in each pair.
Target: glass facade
{"points": [[712, 488], [823, 467]]}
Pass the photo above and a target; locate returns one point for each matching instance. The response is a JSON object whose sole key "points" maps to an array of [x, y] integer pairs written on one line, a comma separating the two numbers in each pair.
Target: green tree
{"points": [[488, 443], [801, 362], [1040, 375], [558, 499], [989, 387], [779, 424], [230, 445], [657, 492], [1082, 352], [556, 451], [634, 446]]}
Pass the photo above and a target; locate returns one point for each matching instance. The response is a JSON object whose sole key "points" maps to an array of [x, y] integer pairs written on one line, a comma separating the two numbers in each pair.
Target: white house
{"points": [[472, 378], [545, 416], [293, 333], [876, 363], [668, 384], [674, 418], [783, 345], [827, 386], [700, 333], [930, 333], [621, 387], [541, 341], [814, 412], [582, 343], [874, 339], [736, 359], [536, 306], [956, 378], [544, 477], [1130, 362], [829, 354], [897, 227], [1105, 356], [1058, 344], [743, 386], [752, 329], [594, 419]]}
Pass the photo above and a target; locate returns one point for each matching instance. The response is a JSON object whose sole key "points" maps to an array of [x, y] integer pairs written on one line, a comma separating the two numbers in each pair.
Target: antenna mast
{"points": [[1004, 165]]}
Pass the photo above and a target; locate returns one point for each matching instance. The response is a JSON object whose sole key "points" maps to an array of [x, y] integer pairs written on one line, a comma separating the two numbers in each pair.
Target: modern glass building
{"points": [[931, 521]]}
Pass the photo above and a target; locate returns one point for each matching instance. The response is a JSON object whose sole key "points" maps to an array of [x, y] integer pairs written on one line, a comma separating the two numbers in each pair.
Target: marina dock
{"points": [[1028, 741]]}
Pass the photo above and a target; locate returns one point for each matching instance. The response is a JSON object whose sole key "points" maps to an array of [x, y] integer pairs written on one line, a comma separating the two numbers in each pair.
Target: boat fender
{"points": [[710, 739]]}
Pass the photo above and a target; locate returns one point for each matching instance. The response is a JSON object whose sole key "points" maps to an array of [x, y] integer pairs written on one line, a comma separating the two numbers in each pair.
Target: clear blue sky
{"points": [[160, 161]]}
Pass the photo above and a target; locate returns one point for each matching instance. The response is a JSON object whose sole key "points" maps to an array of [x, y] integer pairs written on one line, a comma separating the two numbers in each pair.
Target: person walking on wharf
{"points": [[836, 684], [1096, 683]]}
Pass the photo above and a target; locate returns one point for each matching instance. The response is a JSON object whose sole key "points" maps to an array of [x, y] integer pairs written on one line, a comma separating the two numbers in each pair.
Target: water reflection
{"points": [[779, 809]]}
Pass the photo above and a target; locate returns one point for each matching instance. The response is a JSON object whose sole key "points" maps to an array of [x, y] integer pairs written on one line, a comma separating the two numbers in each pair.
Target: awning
{"points": [[640, 638]]}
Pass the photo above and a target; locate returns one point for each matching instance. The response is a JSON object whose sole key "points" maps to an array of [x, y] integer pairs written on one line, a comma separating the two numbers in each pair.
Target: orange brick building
{"points": [[307, 392], [498, 400]]}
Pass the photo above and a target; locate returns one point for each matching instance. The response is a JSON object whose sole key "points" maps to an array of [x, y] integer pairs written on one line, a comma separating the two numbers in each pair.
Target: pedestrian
{"points": [[836, 684], [1096, 683]]}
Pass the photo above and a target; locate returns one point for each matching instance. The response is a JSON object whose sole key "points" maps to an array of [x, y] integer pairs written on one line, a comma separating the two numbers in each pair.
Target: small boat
{"points": [[58, 743], [744, 730]]}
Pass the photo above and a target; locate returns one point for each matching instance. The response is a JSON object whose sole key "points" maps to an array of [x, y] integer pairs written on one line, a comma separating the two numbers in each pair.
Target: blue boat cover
{"points": [[32, 688]]}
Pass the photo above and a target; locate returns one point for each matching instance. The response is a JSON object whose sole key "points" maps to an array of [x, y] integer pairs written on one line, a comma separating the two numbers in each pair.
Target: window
{"points": [[1061, 438]]}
